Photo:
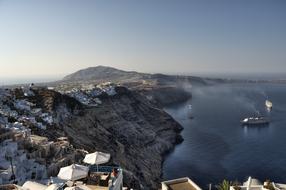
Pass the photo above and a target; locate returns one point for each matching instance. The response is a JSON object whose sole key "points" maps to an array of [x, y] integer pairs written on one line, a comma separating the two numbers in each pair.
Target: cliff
{"points": [[136, 133], [130, 127]]}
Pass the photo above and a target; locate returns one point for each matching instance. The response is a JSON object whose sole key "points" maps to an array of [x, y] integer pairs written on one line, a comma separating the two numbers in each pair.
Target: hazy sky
{"points": [[55, 37]]}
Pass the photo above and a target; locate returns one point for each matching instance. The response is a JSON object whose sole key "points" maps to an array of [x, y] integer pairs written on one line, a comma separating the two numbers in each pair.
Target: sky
{"points": [[51, 38]]}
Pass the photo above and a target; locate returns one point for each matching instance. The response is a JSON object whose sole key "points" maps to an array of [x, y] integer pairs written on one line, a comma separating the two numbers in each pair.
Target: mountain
{"points": [[103, 73]]}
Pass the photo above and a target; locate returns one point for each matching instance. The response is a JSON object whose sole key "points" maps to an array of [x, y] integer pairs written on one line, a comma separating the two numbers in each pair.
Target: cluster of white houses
{"points": [[88, 94], [29, 160], [20, 114], [23, 165]]}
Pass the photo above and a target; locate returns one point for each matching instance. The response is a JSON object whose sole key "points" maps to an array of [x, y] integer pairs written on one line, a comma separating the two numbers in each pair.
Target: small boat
{"points": [[268, 104], [255, 121], [190, 111]]}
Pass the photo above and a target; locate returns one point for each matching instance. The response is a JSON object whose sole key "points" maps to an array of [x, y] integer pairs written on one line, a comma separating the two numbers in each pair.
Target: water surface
{"points": [[216, 146]]}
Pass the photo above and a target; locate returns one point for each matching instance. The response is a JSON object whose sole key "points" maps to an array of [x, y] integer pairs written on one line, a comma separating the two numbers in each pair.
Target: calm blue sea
{"points": [[216, 146]]}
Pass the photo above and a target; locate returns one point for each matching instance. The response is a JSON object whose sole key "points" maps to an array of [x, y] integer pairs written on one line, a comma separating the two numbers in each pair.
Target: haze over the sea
{"points": [[44, 38], [27, 80]]}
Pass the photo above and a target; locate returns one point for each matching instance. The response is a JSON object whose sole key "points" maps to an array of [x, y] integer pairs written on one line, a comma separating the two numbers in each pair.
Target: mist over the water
{"points": [[241, 76], [27, 80]]}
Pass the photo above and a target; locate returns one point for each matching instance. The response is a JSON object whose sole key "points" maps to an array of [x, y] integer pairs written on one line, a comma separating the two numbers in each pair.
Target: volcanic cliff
{"points": [[131, 125], [135, 131]]}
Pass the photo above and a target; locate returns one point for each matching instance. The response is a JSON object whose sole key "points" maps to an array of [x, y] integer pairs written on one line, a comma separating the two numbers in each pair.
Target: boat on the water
{"points": [[190, 111], [255, 121], [268, 104]]}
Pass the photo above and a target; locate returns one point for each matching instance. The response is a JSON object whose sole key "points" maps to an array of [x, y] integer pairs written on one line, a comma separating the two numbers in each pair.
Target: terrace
{"points": [[105, 178], [99, 178]]}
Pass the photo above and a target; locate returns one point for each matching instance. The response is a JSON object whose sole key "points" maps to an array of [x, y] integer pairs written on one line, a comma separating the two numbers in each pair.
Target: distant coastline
{"points": [[217, 78]]}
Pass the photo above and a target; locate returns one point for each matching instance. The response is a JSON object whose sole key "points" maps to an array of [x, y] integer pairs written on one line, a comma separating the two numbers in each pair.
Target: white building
{"points": [[23, 168], [254, 184]]}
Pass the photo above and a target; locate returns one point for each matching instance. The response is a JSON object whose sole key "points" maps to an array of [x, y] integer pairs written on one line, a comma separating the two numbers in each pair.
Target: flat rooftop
{"points": [[181, 186]]}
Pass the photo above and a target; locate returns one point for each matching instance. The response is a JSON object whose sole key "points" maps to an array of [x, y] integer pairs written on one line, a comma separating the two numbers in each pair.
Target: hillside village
{"points": [[32, 149], [25, 154]]}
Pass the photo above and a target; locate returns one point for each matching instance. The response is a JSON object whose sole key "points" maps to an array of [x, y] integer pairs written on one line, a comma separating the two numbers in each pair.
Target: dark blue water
{"points": [[217, 147]]}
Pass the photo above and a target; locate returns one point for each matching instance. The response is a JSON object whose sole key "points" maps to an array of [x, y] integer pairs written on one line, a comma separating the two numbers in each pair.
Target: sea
{"points": [[216, 146], [5, 81]]}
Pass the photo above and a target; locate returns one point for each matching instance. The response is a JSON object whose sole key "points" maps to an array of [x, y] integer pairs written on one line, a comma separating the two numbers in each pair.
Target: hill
{"points": [[160, 88], [103, 73]]}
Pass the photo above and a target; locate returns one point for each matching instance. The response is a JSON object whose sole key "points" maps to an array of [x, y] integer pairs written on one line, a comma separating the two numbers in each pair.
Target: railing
{"points": [[109, 169]]}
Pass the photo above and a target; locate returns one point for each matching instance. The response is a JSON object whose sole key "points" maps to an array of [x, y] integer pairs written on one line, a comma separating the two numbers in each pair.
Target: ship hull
{"points": [[253, 122]]}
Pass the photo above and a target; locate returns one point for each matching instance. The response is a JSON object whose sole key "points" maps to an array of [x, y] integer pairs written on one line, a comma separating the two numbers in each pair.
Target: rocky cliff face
{"points": [[165, 95], [127, 125], [136, 133]]}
